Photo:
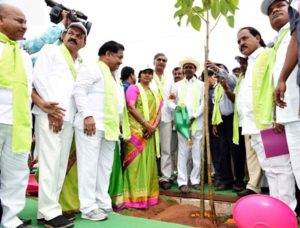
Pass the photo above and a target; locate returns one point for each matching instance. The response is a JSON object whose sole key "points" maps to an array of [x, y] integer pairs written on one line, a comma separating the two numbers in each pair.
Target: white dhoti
{"points": [[278, 171], [95, 156], [292, 131], [53, 152]]}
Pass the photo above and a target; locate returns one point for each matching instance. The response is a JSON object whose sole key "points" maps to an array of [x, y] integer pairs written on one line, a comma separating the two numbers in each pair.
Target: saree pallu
{"points": [[141, 188]]}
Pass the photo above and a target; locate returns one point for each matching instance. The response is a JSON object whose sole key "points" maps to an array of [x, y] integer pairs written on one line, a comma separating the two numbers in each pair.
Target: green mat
{"points": [[225, 192], [114, 220]]}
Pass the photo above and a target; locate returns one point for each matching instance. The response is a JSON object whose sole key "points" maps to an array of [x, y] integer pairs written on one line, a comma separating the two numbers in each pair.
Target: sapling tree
{"points": [[197, 13]]}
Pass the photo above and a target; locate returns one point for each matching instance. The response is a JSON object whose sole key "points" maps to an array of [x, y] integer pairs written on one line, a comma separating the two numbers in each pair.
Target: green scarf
{"points": [[111, 104], [216, 116], [146, 114], [195, 98], [13, 76], [64, 50], [235, 113], [160, 84], [262, 85]]}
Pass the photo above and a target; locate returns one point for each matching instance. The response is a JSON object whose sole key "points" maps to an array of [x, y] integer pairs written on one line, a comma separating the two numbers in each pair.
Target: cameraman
{"points": [[50, 36]]}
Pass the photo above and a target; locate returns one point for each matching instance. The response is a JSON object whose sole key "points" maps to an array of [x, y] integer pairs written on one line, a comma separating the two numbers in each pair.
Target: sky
{"points": [[146, 27]]}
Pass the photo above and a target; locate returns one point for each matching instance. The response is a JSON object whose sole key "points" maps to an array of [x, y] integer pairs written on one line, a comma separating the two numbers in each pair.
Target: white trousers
{"points": [[95, 156], [13, 179], [53, 152], [292, 131], [184, 151], [166, 165], [278, 171]]}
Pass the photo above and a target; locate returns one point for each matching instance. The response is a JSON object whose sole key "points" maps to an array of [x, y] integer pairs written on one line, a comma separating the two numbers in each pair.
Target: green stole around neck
{"points": [[111, 107], [13, 76], [146, 113], [195, 98], [160, 84], [235, 112], [216, 116], [69, 59], [263, 86]]}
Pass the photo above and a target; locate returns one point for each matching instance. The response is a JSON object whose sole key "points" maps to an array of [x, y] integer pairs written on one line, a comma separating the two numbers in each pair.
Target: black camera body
{"points": [[74, 15]]}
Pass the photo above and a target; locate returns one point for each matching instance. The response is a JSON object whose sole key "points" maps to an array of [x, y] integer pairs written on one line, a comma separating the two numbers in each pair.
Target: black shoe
{"points": [[196, 186], [246, 192], [22, 226], [26, 222], [237, 188], [223, 187], [40, 221], [165, 185], [70, 217], [265, 190], [58, 222]]}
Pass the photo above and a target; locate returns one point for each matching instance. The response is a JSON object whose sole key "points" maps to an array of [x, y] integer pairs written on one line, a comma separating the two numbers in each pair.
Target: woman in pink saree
{"points": [[141, 188]]}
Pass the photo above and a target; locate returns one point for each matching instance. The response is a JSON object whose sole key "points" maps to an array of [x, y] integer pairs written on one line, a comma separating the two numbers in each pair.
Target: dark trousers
{"points": [[230, 151], [215, 154]]}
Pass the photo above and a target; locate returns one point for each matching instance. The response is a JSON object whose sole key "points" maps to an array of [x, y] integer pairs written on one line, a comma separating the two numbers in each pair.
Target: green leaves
{"points": [[215, 8], [196, 22], [195, 13], [230, 21]]}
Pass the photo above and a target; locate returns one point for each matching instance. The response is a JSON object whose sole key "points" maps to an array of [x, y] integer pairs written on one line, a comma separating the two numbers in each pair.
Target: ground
{"points": [[169, 210]]}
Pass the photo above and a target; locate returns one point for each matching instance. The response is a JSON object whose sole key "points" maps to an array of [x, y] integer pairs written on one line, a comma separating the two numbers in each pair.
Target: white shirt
{"points": [[245, 98], [6, 95], [89, 94], [188, 101], [166, 113], [291, 96], [54, 81]]}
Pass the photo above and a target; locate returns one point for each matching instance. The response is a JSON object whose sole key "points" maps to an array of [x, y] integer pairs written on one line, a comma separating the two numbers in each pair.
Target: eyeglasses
{"points": [[161, 60]]}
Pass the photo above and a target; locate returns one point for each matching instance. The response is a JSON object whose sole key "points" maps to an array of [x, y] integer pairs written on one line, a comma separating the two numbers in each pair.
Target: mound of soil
{"points": [[170, 211]]}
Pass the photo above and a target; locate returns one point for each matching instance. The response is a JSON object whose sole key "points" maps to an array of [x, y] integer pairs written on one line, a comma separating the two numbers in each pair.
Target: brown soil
{"points": [[170, 211]]}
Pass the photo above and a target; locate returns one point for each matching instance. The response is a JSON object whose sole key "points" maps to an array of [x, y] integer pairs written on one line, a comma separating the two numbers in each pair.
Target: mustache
{"points": [[243, 46], [70, 40]]}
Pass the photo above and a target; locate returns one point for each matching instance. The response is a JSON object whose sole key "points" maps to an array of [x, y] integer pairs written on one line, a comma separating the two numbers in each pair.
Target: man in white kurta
{"points": [[95, 146], [55, 74], [162, 84], [277, 169], [190, 92], [289, 115], [13, 164]]}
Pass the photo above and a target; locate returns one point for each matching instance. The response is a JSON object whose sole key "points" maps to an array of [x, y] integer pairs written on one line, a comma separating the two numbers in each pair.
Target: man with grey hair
{"points": [[162, 85]]}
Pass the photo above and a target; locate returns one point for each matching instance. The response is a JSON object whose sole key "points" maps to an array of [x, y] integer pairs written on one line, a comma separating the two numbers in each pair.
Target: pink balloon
{"points": [[262, 211]]}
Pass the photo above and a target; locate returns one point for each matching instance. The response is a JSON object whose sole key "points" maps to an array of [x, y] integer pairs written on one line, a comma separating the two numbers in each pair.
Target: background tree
{"points": [[196, 13]]}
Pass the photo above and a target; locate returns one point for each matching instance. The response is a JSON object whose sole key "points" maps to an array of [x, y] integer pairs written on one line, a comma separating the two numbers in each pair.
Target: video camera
{"points": [[74, 15]]}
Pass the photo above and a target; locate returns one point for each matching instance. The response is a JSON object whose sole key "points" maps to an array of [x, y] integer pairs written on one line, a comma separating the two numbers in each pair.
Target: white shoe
{"points": [[95, 215]]}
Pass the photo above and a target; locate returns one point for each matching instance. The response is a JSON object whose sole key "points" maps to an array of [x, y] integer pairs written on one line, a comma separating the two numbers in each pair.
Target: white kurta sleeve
{"points": [[41, 73], [85, 79]]}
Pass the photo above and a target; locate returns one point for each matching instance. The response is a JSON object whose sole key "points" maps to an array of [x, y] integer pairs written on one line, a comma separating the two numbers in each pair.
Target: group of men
{"points": [[237, 111], [81, 86], [264, 69]]}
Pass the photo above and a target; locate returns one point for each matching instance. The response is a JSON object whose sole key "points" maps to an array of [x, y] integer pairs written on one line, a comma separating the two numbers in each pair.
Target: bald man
{"points": [[15, 129]]}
